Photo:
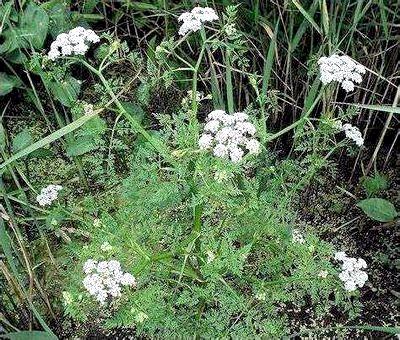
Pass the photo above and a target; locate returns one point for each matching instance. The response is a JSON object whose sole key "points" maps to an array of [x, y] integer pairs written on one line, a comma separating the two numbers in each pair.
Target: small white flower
{"points": [[220, 150], [353, 133], [128, 280], [240, 116], [192, 25], [210, 256], [297, 236], [204, 14], [323, 274], [253, 146], [89, 266], [221, 176], [350, 286], [67, 297], [229, 135], [76, 41], [352, 274], [216, 114], [205, 141], [105, 279], [105, 246], [88, 109], [141, 317], [48, 194], [212, 126], [261, 296], [340, 256], [236, 154], [193, 21], [347, 85], [342, 69]]}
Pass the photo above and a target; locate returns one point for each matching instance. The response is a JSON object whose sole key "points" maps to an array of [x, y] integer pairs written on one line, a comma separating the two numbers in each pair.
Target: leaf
{"points": [[134, 110], [29, 335], [7, 83], [66, 91], [378, 209], [34, 24], [373, 185], [81, 145], [50, 138], [383, 108], [22, 140], [2, 137], [307, 15]]}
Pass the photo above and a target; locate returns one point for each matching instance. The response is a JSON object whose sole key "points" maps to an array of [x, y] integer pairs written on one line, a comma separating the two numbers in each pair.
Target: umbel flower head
{"points": [[193, 21], [352, 132], [352, 273], [229, 135], [342, 69], [105, 279], [48, 194], [75, 42]]}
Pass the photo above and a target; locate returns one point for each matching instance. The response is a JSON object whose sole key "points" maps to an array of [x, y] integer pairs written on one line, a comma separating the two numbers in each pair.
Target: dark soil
{"points": [[333, 215]]}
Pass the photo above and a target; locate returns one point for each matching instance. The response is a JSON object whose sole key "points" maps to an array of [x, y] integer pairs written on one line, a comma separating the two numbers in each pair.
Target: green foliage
{"points": [[209, 242], [374, 185], [378, 209], [29, 335], [7, 83], [66, 90], [224, 279], [22, 140]]}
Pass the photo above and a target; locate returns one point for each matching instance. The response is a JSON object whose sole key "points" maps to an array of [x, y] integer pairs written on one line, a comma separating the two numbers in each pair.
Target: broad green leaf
{"points": [[378, 209], [29, 335], [60, 17], [66, 91], [7, 83], [22, 140], [34, 24], [11, 40], [81, 145]]}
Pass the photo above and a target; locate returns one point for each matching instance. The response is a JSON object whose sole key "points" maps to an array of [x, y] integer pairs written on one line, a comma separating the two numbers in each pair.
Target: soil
{"points": [[333, 215]]}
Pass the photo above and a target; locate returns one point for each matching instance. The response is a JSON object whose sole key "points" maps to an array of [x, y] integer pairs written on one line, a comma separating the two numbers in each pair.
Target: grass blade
{"points": [[307, 16], [50, 138]]}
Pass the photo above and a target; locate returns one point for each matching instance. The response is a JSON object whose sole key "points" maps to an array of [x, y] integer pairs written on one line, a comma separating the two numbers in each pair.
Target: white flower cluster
{"points": [[342, 69], [297, 236], [193, 21], [48, 195], [352, 274], [105, 279], [228, 135], [352, 132], [74, 42]]}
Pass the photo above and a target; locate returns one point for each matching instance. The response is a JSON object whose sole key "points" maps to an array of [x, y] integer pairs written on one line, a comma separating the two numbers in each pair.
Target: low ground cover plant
{"points": [[156, 191]]}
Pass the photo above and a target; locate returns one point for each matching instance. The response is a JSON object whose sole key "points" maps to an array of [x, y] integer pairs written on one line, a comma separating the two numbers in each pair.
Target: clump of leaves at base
{"points": [[210, 245]]}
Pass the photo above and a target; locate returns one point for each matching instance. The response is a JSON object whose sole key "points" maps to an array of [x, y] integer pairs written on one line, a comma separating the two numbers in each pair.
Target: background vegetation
{"points": [[113, 178]]}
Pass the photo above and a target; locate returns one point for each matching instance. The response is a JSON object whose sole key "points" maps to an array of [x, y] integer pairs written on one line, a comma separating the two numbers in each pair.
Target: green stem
{"points": [[296, 123], [216, 93], [160, 147], [229, 88]]}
